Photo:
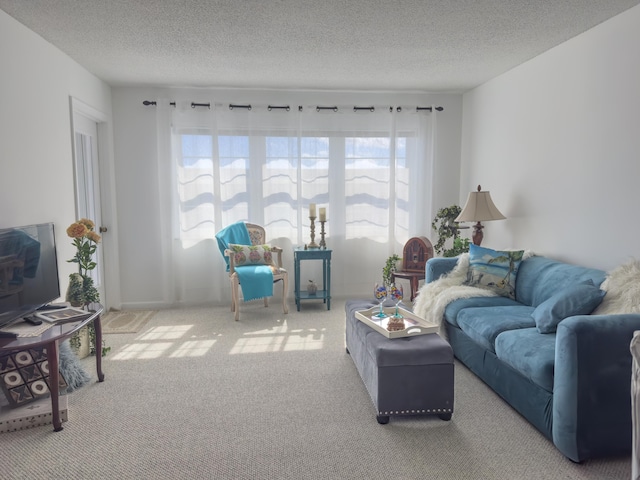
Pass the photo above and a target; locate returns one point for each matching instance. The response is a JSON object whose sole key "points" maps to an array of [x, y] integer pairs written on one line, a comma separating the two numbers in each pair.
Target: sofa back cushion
{"points": [[577, 299], [539, 278]]}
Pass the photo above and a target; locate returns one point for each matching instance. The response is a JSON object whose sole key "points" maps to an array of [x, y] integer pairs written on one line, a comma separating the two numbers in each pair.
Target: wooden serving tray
{"points": [[414, 325]]}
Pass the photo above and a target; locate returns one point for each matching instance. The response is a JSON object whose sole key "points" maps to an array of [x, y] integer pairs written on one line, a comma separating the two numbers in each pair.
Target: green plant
{"points": [[460, 245], [92, 342], [445, 225], [389, 268]]}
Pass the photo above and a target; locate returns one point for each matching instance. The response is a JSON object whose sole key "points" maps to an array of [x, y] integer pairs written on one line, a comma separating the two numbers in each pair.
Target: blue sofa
{"points": [[573, 384]]}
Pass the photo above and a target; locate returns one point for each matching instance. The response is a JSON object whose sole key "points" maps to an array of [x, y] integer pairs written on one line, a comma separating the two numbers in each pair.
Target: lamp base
{"points": [[477, 235]]}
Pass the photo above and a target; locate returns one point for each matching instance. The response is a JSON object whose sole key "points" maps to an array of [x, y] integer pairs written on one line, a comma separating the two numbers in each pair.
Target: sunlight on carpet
{"points": [[126, 321]]}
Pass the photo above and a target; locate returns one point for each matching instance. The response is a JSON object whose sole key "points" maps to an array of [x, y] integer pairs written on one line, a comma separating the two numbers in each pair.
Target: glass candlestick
{"points": [[313, 243]]}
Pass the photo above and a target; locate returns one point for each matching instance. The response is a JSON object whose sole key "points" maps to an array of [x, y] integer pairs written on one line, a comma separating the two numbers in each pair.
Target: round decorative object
{"points": [[23, 358], [312, 288], [39, 387], [12, 379]]}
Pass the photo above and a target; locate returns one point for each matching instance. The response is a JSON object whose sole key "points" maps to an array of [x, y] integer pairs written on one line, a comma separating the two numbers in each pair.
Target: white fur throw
{"points": [[434, 297], [623, 290]]}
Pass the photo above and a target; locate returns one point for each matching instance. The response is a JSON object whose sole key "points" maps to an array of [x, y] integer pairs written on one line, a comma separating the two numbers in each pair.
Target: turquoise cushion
{"points": [[452, 310], [494, 270], [531, 354], [539, 278], [484, 324], [578, 299]]}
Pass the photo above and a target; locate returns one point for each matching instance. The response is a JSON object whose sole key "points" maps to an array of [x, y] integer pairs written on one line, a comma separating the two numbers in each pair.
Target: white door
{"points": [[88, 186]]}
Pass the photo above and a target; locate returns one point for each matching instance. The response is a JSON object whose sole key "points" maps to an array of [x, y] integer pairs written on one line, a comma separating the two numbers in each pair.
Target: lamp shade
{"points": [[479, 208]]}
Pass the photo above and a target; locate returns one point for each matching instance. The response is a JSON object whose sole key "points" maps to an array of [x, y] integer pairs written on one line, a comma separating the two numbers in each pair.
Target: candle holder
{"points": [[313, 243], [323, 244]]}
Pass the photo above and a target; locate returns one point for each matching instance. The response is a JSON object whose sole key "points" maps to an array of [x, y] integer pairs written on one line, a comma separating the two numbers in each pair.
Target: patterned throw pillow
{"points": [[494, 270], [251, 254]]}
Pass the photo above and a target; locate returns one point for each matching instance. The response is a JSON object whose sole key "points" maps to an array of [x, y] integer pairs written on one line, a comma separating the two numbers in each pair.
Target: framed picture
{"points": [[63, 315]]}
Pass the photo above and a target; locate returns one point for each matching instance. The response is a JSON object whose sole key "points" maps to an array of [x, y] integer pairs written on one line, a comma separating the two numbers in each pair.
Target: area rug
{"points": [[125, 321]]}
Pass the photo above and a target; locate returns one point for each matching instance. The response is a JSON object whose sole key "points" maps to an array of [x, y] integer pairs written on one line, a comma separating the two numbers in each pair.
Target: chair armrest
{"points": [[592, 384], [229, 253], [438, 266]]}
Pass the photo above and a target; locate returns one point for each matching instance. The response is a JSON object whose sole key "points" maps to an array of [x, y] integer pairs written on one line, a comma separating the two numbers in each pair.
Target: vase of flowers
{"points": [[82, 290]]}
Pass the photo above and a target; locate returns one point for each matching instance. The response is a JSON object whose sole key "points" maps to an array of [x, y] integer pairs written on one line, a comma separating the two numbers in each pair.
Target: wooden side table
{"points": [[50, 339], [299, 255], [415, 254]]}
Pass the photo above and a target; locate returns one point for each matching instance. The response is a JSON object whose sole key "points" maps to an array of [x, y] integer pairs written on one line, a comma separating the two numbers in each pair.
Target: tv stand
{"points": [[50, 339]]}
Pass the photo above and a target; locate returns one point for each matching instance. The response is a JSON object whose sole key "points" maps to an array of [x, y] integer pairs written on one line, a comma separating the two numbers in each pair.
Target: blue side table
{"points": [[300, 254]]}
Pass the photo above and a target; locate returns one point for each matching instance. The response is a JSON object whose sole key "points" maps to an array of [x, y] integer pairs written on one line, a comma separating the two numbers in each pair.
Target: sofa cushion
{"points": [[578, 299], [484, 324], [540, 278], [452, 310], [531, 354], [494, 270]]}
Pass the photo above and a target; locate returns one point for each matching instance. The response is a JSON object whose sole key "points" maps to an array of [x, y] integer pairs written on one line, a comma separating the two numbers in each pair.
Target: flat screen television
{"points": [[28, 270]]}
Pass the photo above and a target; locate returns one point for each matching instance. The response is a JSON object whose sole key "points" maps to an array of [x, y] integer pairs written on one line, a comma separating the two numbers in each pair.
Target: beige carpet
{"points": [[125, 321], [195, 395]]}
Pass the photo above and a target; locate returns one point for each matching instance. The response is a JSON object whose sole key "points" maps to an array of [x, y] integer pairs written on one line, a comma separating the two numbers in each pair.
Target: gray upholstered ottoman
{"points": [[404, 376]]}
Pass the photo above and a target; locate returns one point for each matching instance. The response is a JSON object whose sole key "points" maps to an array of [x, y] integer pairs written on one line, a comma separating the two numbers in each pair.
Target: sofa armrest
{"points": [[438, 266], [592, 384]]}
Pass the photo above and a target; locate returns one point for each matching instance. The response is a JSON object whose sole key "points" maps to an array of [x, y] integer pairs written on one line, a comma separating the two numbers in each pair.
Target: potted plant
{"points": [[445, 224], [390, 266]]}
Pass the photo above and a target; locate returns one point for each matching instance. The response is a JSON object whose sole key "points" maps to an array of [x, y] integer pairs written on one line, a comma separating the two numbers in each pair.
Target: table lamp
{"points": [[479, 208]]}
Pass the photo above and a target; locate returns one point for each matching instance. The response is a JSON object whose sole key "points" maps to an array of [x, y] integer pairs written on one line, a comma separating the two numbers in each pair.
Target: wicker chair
{"points": [[258, 237]]}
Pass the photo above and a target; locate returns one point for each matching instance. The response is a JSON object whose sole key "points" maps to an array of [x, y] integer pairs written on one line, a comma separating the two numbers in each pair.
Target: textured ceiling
{"points": [[399, 45]]}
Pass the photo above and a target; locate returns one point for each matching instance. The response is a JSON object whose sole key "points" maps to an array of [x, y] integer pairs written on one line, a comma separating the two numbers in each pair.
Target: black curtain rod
{"points": [[318, 109], [288, 108], [147, 103]]}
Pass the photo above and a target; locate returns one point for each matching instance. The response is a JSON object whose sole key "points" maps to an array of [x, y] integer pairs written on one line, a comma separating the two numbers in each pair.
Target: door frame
{"points": [[107, 199]]}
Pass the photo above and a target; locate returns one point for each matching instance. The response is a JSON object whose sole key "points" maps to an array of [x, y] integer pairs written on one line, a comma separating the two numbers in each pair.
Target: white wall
{"points": [[136, 172], [557, 142], [36, 163]]}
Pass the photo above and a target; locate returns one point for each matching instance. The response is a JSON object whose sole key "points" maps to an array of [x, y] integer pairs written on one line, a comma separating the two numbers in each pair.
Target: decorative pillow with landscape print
{"points": [[494, 270]]}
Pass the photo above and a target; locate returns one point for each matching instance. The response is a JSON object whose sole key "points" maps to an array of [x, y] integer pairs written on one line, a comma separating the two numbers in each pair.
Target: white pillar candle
{"points": [[323, 214], [312, 210]]}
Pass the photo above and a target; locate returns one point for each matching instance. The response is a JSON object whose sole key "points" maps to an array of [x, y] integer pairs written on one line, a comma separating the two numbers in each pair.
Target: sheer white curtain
{"points": [[371, 170]]}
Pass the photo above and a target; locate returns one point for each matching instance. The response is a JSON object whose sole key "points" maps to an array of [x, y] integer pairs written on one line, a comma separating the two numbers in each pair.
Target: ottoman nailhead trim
{"points": [[406, 412]]}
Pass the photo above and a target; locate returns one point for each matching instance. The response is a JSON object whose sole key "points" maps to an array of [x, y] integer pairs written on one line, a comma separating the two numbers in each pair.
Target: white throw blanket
{"points": [[434, 297]]}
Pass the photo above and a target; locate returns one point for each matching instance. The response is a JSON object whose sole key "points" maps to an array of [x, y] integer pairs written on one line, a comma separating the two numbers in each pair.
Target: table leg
{"points": [[414, 287], [296, 272], [54, 384], [97, 325], [328, 284]]}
